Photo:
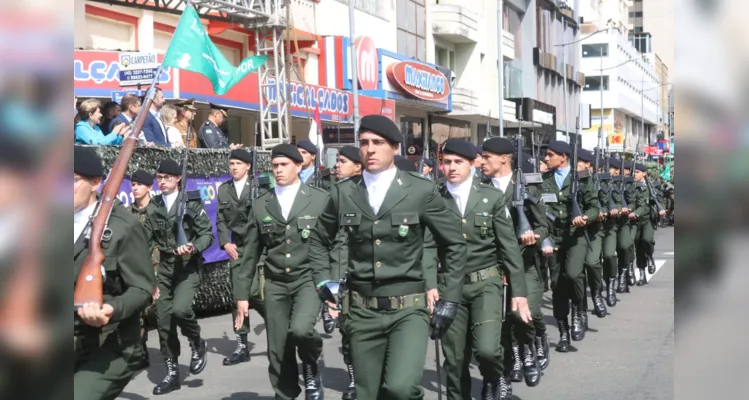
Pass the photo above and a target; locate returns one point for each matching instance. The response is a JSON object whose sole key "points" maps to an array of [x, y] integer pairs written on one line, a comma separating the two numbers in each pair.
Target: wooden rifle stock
{"points": [[89, 285]]}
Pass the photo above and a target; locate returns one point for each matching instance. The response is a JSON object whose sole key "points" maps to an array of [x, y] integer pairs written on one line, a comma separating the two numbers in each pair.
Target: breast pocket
{"points": [[226, 210], [406, 226], [482, 223], [160, 230], [271, 234], [305, 226], [351, 223]]}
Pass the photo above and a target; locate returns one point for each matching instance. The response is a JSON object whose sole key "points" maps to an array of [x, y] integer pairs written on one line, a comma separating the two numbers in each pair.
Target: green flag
{"points": [[191, 49], [666, 173]]}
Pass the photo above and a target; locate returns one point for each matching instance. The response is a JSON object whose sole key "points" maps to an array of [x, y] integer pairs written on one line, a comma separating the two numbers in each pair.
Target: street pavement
{"points": [[629, 354]]}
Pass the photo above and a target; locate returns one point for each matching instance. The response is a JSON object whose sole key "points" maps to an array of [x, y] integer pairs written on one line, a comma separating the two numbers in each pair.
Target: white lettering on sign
{"points": [[424, 80], [367, 63], [543, 117], [138, 60]]}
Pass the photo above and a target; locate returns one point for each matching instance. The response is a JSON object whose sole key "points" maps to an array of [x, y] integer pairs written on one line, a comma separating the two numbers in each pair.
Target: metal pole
{"points": [[564, 67], [500, 68], [354, 71], [600, 87], [642, 112]]}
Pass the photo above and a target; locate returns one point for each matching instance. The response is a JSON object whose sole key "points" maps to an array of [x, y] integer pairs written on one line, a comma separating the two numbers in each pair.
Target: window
{"points": [[595, 50], [635, 14], [445, 58], [593, 83], [411, 21]]}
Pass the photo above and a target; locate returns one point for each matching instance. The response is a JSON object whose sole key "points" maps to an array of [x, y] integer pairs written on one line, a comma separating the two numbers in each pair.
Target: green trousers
{"points": [[177, 285], [103, 373], [610, 234], [521, 332], [256, 299], [345, 339], [645, 241], [291, 325], [567, 274], [388, 350], [593, 265], [477, 326], [624, 243]]}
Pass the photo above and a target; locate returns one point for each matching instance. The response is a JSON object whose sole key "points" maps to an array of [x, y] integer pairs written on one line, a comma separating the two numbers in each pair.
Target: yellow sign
{"points": [[616, 141]]}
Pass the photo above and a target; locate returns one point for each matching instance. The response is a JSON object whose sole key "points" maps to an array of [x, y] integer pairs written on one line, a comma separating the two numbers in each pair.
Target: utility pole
{"points": [[600, 89], [500, 68], [564, 82], [642, 111], [354, 55]]}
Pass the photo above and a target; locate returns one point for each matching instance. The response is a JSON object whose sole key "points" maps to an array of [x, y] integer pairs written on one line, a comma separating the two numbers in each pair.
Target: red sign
{"points": [[367, 63], [419, 80]]}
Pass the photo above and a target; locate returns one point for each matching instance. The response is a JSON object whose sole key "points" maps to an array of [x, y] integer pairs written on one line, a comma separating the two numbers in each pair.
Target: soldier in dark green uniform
{"points": [[493, 252], [281, 222], [307, 174], [627, 230], [645, 215], [107, 336], [531, 338], [178, 275], [567, 263], [231, 225], [610, 230], [593, 264], [385, 213], [141, 183]]}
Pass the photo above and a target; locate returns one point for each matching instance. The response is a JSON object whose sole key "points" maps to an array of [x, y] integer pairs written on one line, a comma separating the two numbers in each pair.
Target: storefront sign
{"points": [[543, 117], [336, 134], [97, 74], [616, 142], [535, 111], [419, 80], [367, 63], [137, 68]]}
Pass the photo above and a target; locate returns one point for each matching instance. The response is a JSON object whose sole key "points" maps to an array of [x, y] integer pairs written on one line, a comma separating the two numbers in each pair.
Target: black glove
{"points": [[444, 314]]}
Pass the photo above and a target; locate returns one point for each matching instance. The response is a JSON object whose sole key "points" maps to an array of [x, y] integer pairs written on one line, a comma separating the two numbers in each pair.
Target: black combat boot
{"points": [[171, 380], [504, 391], [350, 392], [531, 369], [198, 360], [611, 292], [542, 351], [578, 328], [563, 345], [631, 274], [651, 264], [241, 353], [599, 306], [328, 322], [489, 390], [583, 310], [312, 386], [516, 375], [623, 283], [642, 281]]}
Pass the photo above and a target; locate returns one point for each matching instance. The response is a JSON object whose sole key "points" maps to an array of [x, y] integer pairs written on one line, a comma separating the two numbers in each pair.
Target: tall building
{"points": [[651, 23]]}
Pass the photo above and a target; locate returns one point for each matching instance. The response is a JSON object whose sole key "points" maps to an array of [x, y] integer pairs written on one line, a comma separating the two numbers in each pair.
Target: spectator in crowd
{"points": [[168, 116], [87, 131], [186, 115], [153, 129], [110, 110]]}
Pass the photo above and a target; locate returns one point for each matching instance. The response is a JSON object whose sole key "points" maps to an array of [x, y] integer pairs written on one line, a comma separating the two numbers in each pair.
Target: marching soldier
{"points": [[497, 167], [487, 228], [141, 183], [644, 216], [281, 222], [307, 174], [593, 264], [210, 135], [385, 213], [569, 241], [231, 225], [428, 168], [178, 275], [627, 232], [610, 231], [107, 336]]}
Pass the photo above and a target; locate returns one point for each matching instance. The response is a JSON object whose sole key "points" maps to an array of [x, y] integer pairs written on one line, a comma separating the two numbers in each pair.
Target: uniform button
{"points": [[288, 255], [288, 241], [377, 242], [465, 236], [288, 227], [288, 270], [377, 222], [464, 220], [378, 264]]}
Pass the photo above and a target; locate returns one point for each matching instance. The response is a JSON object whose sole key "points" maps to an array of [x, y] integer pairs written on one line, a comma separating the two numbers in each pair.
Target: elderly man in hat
{"points": [[178, 273], [385, 213], [107, 336], [185, 117], [570, 246], [210, 135], [281, 222]]}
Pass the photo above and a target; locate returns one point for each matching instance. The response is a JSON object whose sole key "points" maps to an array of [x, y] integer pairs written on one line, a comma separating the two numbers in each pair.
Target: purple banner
{"points": [[208, 188]]}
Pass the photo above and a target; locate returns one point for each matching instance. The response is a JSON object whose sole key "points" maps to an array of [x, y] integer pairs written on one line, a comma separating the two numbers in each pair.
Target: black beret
{"points": [[460, 147], [498, 145], [381, 126], [479, 149], [241, 155], [143, 177], [307, 145], [627, 164], [404, 164], [641, 167], [585, 155], [287, 150], [560, 147], [169, 166], [86, 162], [351, 152], [429, 162], [614, 163]]}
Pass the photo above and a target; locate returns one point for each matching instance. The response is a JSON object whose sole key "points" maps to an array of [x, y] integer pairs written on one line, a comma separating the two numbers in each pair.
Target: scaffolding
{"points": [[268, 19]]}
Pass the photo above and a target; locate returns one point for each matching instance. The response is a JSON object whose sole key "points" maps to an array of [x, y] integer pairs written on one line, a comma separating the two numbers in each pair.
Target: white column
{"points": [[145, 31]]}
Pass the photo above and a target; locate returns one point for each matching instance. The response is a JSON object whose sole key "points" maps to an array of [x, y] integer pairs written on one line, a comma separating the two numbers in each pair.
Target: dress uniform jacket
{"points": [[212, 137], [161, 226], [559, 206]]}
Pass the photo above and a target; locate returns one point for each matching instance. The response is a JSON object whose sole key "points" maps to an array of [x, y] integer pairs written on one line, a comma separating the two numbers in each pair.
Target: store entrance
{"points": [[412, 129]]}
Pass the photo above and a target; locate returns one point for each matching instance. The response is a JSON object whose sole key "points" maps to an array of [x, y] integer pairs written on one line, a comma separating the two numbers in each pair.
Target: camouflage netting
{"points": [[214, 295]]}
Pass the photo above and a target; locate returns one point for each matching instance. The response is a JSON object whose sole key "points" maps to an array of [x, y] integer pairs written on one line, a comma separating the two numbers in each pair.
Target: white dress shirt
{"points": [[460, 192], [170, 199], [239, 186], [174, 136], [502, 183], [377, 186], [286, 196], [80, 219]]}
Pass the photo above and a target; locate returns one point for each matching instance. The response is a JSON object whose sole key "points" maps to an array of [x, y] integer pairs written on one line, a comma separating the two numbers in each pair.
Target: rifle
{"points": [[181, 238], [425, 145], [607, 177], [89, 286], [653, 197], [256, 181], [622, 185], [519, 194], [547, 241], [574, 176], [596, 174]]}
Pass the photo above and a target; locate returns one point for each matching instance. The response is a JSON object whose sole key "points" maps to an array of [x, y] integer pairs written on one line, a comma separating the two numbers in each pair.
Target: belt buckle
{"points": [[401, 302], [481, 275], [383, 304]]}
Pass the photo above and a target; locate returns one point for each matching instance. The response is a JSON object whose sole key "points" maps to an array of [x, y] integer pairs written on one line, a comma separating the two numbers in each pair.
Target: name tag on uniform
{"points": [[549, 198]]}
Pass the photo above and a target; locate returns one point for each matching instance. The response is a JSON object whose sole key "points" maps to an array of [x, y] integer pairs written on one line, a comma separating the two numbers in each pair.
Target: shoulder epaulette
{"points": [[348, 178], [318, 189], [420, 176], [489, 186], [547, 174], [193, 195]]}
